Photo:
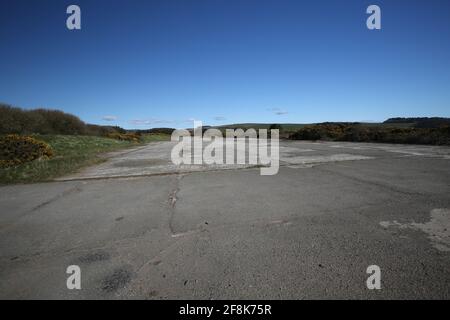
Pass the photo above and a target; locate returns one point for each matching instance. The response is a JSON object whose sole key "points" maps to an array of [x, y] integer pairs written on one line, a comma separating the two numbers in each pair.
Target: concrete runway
{"points": [[140, 227]]}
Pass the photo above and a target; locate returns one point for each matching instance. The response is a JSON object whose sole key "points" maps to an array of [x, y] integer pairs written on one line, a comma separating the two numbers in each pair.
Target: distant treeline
{"points": [[421, 122], [373, 133], [156, 131], [44, 121]]}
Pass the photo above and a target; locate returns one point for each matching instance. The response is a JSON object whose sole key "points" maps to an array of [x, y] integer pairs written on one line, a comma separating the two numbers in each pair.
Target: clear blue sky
{"points": [[161, 63]]}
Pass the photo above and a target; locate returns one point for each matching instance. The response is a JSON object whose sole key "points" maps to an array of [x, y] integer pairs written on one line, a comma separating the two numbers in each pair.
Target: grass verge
{"points": [[153, 137], [70, 154]]}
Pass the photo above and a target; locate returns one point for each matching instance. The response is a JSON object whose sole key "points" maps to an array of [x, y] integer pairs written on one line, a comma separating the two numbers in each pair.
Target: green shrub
{"points": [[157, 131], [44, 121], [58, 122], [306, 133], [15, 150], [361, 133], [134, 137]]}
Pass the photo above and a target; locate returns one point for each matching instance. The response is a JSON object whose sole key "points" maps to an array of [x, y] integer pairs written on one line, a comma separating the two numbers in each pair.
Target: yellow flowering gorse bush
{"points": [[16, 149]]}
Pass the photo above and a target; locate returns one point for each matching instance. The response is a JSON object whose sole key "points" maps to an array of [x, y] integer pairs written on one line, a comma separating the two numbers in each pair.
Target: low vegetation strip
{"points": [[41, 144], [70, 153], [364, 133]]}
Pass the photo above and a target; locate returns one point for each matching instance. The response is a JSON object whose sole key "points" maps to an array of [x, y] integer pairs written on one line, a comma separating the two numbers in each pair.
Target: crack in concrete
{"points": [[155, 174], [373, 183], [172, 200], [157, 256], [75, 189]]}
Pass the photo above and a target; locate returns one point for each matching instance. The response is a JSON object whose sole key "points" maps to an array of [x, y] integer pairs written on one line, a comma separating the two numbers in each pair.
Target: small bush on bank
{"points": [[15, 150]]}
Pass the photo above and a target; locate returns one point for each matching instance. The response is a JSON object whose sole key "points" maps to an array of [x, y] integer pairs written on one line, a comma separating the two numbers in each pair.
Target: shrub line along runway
{"points": [[159, 231]]}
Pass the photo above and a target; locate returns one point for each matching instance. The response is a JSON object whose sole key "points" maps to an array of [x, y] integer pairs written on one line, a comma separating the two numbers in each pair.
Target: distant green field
{"points": [[70, 154], [155, 137]]}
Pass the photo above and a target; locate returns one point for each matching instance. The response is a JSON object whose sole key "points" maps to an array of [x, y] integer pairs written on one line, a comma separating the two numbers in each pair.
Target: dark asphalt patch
{"points": [[118, 279]]}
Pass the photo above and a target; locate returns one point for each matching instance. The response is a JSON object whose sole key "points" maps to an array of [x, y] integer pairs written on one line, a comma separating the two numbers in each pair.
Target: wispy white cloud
{"points": [[278, 111], [147, 122], [109, 118]]}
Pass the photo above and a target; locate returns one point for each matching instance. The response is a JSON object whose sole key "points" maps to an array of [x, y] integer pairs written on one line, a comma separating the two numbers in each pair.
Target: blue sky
{"points": [[161, 63]]}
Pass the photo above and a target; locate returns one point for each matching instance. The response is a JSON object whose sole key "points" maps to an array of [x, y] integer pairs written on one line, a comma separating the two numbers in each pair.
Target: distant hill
{"points": [[421, 122]]}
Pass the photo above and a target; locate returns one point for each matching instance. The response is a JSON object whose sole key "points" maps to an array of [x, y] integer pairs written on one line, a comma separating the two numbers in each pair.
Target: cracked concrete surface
{"points": [[156, 232]]}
